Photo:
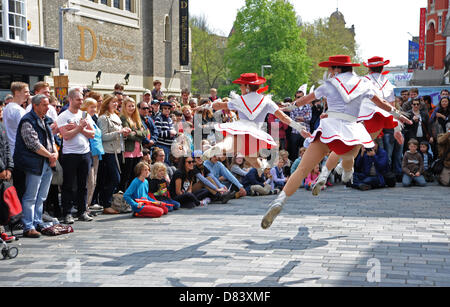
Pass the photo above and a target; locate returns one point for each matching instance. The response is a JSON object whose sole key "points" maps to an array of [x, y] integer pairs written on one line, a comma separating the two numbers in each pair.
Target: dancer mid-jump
{"points": [[375, 119], [246, 135], [339, 132]]}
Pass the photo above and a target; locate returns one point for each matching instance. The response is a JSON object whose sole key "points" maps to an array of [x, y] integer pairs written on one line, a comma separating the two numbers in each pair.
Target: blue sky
{"points": [[382, 26]]}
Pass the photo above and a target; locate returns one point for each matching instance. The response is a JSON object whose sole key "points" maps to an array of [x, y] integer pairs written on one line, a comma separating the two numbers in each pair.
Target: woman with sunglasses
{"points": [[419, 129], [181, 186]]}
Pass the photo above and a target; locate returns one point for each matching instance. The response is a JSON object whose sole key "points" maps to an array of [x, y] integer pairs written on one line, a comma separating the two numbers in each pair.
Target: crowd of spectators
{"points": [[104, 145]]}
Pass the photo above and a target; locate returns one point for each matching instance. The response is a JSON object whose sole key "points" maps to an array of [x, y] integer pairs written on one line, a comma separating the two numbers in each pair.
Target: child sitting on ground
{"points": [[138, 189], [427, 161], [413, 166], [312, 177], [159, 186]]}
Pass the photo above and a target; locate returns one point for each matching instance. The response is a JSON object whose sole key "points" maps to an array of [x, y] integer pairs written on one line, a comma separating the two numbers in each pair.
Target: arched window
{"points": [[167, 29]]}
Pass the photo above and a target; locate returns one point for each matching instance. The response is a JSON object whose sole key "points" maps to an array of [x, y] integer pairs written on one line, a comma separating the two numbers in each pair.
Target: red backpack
{"points": [[10, 205]]}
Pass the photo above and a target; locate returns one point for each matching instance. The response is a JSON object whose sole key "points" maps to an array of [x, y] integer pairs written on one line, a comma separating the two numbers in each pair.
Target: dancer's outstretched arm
{"points": [[383, 104], [295, 125]]}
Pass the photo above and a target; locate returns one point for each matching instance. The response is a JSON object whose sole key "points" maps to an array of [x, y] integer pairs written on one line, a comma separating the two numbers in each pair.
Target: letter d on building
{"points": [[82, 56]]}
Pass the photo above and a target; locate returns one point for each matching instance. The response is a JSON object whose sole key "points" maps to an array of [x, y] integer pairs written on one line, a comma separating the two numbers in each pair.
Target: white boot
{"points": [[321, 181], [339, 169], [274, 210], [347, 176]]}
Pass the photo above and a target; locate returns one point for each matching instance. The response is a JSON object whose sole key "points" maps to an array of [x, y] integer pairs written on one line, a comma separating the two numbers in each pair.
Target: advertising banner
{"points": [[184, 32], [413, 55], [423, 18]]}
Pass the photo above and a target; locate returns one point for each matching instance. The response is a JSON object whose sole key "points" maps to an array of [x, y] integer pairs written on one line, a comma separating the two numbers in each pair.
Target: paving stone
{"points": [[323, 241]]}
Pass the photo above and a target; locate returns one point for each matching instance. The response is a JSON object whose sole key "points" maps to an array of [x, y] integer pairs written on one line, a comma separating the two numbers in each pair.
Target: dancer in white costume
{"points": [[246, 135], [339, 132], [375, 119]]}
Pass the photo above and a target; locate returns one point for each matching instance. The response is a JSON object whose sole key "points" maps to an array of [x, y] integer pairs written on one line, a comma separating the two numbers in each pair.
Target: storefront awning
{"points": [[25, 59]]}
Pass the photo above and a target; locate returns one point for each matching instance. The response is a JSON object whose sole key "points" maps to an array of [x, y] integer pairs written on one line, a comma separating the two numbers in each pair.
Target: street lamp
{"points": [[262, 69], [63, 10]]}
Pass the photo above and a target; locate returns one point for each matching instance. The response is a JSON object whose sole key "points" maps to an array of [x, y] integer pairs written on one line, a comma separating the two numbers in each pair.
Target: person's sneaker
{"points": [[274, 210], [364, 187], [32, 234], [321, 181], [85, 218], [205, 202], [227, 197], [96, 208], [69, 219], [6, 238]]}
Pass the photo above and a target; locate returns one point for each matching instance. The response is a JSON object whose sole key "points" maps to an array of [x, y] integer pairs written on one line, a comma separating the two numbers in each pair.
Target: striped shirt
{"points": [[164, 125], [305, 112]]}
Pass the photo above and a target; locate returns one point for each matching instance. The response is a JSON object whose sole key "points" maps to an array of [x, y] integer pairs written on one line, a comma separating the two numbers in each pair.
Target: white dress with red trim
{"points": [[253, 109], [345, 94], [385, 90]]}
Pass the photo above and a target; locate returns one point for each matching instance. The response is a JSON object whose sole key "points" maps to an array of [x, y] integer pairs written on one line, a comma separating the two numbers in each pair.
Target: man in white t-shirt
{"points": [[12, 114], [76, 128]]}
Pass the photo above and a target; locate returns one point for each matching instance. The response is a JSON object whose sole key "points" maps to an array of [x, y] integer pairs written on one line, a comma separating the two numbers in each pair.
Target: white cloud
{"points": [[382, 26]]}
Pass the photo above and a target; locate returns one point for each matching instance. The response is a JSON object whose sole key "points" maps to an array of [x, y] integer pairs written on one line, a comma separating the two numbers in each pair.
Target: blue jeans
{"points": [[36, 192], [360, 179], [407, 180], [110, 175], [395, 153], [176, 205]]}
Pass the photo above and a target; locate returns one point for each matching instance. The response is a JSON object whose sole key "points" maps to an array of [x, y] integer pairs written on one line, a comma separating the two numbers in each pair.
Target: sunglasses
{"points": [[416, 104], [190, 162], [146, 109]]}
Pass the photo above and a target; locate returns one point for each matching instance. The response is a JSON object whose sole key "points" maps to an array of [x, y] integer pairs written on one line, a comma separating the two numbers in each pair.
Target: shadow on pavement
{"points": [[140, 260], [300, 242], [273, 280]]}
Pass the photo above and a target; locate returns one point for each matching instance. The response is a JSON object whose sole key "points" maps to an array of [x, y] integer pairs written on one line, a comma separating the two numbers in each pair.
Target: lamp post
{"points": [[63, 10], [262, 69]]}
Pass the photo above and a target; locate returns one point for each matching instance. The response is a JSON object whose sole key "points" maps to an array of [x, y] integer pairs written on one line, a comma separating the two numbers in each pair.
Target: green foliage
{"points": [[208, 60], [325, 38], [266, 33]]}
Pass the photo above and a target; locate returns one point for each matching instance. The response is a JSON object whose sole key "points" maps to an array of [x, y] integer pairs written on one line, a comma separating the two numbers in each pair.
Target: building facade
{"points": [[23, 54], [436, 42], [132, 42]]}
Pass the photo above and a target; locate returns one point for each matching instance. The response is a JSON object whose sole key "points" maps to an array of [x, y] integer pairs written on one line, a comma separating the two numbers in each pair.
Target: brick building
{"points": [[436, 42], [119, 38]]}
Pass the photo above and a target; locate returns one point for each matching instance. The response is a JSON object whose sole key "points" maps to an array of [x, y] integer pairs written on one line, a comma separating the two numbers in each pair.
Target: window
{"points": [[1, 20], [122, 12], [13, 21], [167, 34], [440, 25]]}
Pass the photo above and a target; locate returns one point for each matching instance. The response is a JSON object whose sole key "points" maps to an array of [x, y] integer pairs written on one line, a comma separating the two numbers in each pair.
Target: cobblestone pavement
{"points": [[390, 237]]}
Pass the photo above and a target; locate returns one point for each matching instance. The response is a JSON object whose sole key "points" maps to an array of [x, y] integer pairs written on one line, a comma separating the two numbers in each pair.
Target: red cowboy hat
{"points": [[339, 60], [250, 78], [376, 61]]}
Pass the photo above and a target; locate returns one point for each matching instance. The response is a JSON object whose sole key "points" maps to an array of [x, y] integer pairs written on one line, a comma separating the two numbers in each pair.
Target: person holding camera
{"points": [[373, 164]]}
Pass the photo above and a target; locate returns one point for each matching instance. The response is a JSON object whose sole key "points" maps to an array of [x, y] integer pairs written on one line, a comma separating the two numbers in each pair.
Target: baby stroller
{"points": [[10, 215]]}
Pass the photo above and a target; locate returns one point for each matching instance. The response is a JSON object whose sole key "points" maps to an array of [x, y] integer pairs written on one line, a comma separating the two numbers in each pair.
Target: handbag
{"points": [[57, 230], [119, 204]]}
